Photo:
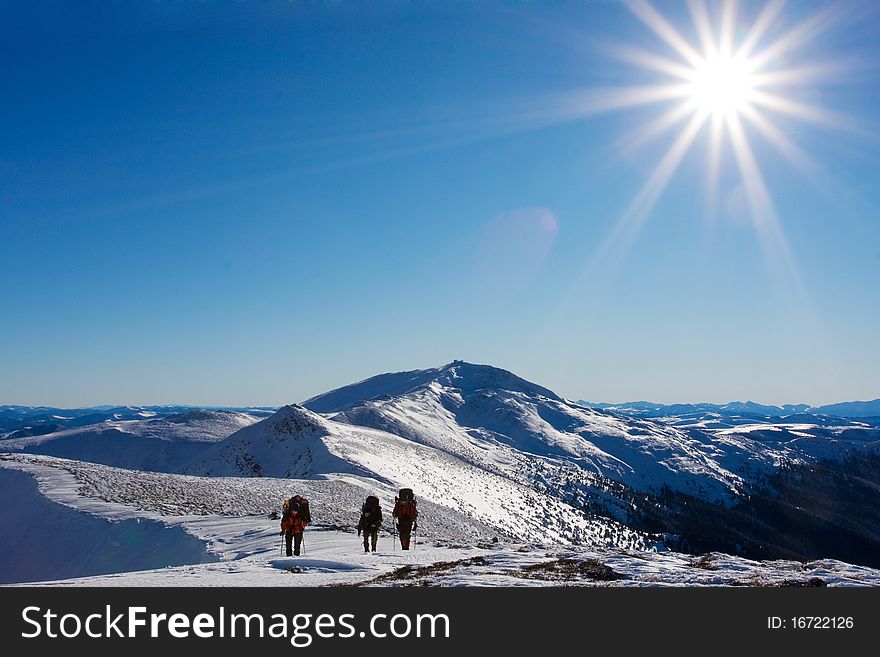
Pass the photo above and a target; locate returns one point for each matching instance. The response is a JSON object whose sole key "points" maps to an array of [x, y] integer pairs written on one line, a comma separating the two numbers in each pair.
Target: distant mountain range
{"points": [[854, 409], [137, 439], [25, 421]]}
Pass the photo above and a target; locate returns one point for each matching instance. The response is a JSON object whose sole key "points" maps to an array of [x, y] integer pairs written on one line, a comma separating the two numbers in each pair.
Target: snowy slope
{"points": [[494, 419], [297, 443], [162, 444], [498, 421], [451, 550], [44, 540], [501, 429]]}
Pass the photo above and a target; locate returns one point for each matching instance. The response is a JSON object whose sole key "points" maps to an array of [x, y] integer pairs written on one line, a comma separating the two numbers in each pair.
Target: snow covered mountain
{"points": [[297, 443], [696, 486], [498, 421], [493, 419], [157, 443], [488, 443]]}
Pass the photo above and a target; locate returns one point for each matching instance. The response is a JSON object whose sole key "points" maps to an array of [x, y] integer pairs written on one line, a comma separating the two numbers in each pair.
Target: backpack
{"points": [[303, 513], [300, 505], [405, 505], [371, 513]]}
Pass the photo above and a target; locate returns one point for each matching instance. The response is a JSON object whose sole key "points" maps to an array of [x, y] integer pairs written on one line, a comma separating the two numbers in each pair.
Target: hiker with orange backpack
{"points": [[406, 513], [371, 520], [295, 518]]}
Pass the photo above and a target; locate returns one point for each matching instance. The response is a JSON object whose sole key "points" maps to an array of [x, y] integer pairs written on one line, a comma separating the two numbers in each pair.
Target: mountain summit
{"points": [[495, 420], [458, 375]]}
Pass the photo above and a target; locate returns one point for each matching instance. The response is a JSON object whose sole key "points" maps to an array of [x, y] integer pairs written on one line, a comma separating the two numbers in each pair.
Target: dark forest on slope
{"points": [[828, 509]]}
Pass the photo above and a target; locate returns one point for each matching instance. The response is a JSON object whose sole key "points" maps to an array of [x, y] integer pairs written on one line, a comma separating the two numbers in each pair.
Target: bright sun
{"points": [[721, 85], [731, 80]]}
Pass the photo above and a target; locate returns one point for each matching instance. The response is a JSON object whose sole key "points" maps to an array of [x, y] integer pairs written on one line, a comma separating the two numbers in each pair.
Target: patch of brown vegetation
{"points": [[813, 581], [414, 575], [567, 570], [706, 562], [758, 582]]}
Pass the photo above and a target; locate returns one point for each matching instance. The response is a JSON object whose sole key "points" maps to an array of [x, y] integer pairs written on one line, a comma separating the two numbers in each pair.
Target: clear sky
{"points": [[251, 203]]}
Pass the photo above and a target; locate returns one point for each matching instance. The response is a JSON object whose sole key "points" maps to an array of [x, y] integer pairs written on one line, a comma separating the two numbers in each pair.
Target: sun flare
{"points": [[722, 85], [738, 79]]}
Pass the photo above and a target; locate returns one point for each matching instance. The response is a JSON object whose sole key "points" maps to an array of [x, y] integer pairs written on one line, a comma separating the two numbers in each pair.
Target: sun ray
{"points": [[713, 170], [795, 155], [645, 12], [659, 179], [629, 224], [553, 109], [800, 75], [798, 110], [603, 100], [625, 229], [700, 18], [728, 26], [649, 61], [763, 210], [656, 127], [797, 36], [762, 24], [814, 172]]}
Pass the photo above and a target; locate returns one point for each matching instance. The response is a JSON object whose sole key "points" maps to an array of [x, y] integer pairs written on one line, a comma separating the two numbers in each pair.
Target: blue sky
{"points": [[251, 203]]}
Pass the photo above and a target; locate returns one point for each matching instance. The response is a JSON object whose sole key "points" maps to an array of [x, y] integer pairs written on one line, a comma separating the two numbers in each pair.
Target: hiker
{"points": [[371, 520], [294, 520], [406, 514]]}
